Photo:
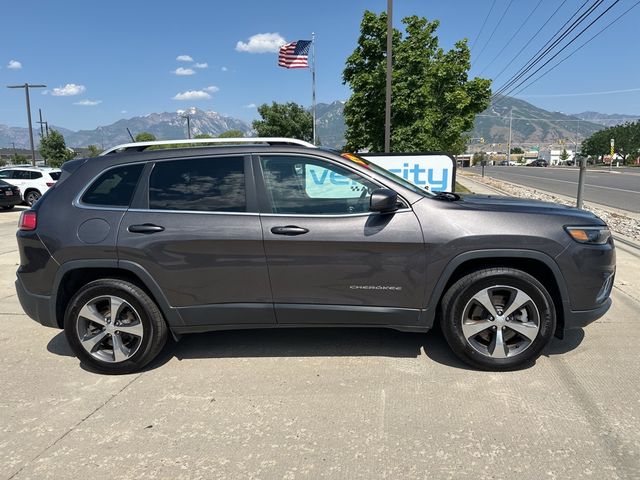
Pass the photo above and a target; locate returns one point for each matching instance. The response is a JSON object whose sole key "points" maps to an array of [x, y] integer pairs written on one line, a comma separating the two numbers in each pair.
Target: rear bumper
{"points": [[581, 318], [37, 307], [10, 200]]}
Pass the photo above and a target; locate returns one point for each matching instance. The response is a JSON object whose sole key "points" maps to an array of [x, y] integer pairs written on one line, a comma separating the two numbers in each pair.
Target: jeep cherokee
{"points": [[140, 243]]}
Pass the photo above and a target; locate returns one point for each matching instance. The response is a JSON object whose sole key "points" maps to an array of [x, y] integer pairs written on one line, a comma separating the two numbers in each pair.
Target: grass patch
{"points": [[462, 189]]}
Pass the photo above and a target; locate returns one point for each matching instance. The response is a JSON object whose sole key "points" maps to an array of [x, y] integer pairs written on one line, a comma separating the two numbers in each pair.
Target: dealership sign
{"points": [[435, 171]]}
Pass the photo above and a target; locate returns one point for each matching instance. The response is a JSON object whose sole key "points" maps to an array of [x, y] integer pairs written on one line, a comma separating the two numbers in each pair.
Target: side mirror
{"points": [[384, 200]]}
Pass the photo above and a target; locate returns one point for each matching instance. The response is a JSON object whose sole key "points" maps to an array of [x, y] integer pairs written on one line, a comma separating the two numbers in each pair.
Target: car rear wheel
{"points": [[498, 318], [31, 197], [113, 326]]}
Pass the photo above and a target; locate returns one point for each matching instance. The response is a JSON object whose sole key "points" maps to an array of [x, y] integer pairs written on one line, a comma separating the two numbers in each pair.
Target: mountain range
{"points": [[530, 125]]}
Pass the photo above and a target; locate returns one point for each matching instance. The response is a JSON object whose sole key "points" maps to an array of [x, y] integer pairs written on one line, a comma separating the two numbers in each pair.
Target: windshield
{"points": [[386, 173]]}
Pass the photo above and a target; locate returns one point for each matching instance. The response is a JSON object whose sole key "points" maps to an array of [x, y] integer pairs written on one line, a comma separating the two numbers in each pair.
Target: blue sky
{"points": [[119, 59]]}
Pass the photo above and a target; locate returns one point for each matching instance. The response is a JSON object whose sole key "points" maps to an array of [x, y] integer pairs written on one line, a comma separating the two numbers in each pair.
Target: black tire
{"points": [[31, 197], [459, 300], [154, 327]]}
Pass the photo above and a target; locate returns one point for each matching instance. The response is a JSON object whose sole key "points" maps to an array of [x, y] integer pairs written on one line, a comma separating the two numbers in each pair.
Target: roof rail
{"points": [[141, 146]]}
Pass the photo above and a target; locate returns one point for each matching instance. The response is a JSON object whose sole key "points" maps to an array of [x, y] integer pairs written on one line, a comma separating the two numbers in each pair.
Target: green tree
{"points": [[54, 150], [517, 150], [203, 135], [232, 134], [479, 157], [18, 159], [93, 151], [627, 141], [433, 101], [145, 137], [284, 120], [564, 155]]}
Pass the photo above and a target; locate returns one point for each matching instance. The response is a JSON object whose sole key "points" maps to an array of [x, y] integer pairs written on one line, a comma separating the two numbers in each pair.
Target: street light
{"points": [[26, 87]]}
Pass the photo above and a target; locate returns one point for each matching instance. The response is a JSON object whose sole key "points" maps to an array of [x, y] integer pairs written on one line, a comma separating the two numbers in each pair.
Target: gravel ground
{"points": [[619, 223]]}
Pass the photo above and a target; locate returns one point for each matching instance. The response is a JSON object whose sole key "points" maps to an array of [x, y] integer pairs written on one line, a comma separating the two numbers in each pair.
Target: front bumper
{"points": [[37, 307], [581, 318]]}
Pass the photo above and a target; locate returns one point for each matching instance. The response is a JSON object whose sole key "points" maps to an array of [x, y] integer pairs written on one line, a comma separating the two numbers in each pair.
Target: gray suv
{"points": [[140, 244]]}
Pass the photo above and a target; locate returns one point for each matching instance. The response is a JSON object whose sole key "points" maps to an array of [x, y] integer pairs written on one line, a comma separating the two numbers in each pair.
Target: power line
{"points": [[551, 44], [582, 120], [580, 48], [483, 24], [494, 30], [582, 94], [563, 48], [508, 42], [531, 39]]}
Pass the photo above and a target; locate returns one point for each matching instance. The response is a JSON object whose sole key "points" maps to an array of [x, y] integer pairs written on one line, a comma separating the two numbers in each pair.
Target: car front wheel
{"points": [[498, 318], [113, 326]]}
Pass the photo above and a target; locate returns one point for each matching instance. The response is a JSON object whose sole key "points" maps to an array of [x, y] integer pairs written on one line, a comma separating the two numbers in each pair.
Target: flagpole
{"points": [[313, 83]]}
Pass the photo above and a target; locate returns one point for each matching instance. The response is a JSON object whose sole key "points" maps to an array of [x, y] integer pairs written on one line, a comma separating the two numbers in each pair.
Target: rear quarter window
{"points": [[115, 187], [54, 175]]}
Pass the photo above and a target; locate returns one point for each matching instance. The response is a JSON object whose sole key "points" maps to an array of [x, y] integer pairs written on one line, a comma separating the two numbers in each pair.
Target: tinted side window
{"points": [[35, 175], [202, 184], [54, 175], [115, 187], [313, 186], [21, 175], [6, 173]]}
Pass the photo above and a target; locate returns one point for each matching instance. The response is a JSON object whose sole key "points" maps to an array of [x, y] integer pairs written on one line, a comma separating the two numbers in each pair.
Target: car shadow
{"points": [[316, 342], [17, 208]]}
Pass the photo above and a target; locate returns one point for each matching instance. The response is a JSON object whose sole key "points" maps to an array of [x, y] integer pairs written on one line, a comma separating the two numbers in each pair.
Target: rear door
{"points": [[194, 227], [330, 259]]}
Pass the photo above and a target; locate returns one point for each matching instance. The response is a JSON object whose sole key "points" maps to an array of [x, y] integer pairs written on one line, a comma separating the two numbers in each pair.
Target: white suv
{"points": [[33, 181]]}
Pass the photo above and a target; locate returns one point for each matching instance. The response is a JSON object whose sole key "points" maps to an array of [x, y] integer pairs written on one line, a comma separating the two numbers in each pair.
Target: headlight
{"points": [[590, 235]]}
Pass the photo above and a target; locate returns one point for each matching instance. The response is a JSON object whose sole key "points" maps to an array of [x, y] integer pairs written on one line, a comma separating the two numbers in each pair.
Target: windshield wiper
{"points": [[449, 196]]}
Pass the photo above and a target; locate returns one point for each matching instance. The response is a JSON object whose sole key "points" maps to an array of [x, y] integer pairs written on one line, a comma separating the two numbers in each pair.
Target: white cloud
{"points": [[261, 43], [224, 69], [14, 65], [123, 111], [250, 105], [192, 95], [184, 58], [183, 71], [202, 65], [44, 92], [88, 103], [68, 90], [212, 89]]}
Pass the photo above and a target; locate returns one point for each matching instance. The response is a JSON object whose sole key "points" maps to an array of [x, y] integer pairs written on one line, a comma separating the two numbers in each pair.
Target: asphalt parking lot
{"points": [[320, 403]]}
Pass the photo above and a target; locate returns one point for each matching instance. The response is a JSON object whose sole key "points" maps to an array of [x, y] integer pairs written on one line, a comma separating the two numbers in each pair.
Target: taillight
{"points": [[50, 184], [28, 220]]}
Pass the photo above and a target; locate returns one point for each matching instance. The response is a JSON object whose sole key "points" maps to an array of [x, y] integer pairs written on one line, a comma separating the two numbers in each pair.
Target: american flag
{"points": [[294, 54]]}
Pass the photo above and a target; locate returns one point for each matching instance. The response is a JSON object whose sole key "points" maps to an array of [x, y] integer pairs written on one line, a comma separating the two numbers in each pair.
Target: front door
{"points": [[330, 259], [200, 239]]}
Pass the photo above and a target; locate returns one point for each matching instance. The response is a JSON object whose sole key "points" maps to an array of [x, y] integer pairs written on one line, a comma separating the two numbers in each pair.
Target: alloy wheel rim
{"points": [[500, 321], [109, 329]]}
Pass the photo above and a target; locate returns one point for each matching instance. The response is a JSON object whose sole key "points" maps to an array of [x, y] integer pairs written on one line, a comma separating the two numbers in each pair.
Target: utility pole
{"points": [[509, 146], [41, 124], [387, 110], [188, 117], [26, 87]]}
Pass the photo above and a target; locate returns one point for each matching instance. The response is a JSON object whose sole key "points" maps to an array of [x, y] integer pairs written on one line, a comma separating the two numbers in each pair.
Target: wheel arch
{"points": [[535, 263], [72, 275]]}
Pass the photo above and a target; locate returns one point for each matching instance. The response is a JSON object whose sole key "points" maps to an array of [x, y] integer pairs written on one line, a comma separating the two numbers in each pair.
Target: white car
{"points": [[33, 181]]}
